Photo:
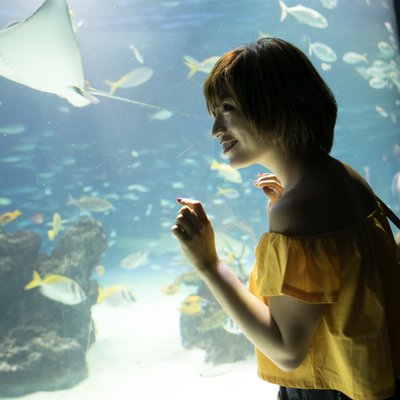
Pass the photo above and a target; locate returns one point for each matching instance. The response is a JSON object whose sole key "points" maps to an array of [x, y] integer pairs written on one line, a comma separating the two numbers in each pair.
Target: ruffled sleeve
{"points": [[307, 268]]}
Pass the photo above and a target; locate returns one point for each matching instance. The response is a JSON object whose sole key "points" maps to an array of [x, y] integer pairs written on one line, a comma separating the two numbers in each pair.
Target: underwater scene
{"points": [[102, 126]]}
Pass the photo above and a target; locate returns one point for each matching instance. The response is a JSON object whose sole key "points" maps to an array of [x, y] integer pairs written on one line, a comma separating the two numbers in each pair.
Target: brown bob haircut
{"points": [[279, 92]]}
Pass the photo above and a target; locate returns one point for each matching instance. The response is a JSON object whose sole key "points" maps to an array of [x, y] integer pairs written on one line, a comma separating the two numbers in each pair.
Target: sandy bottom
{"points": [[138, 355]]}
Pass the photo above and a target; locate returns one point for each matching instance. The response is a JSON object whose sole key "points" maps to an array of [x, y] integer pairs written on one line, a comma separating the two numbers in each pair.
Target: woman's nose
{"points": [[218, 127]]}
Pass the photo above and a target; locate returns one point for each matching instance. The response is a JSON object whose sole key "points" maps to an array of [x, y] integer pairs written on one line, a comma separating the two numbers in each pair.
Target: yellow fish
{"points": [[58, 288], [199, 66], [134, 78], [7, 217], [191, 305], [229, 193], [226, 171], [170, 289], [57, 225]]}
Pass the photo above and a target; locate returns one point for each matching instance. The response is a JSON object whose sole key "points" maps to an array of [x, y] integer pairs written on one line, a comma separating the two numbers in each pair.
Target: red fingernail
{"points": [[179, 199]]}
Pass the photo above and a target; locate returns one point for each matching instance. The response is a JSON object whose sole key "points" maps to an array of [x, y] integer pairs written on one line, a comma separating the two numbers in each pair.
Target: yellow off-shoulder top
{"points": [[354, 273]]}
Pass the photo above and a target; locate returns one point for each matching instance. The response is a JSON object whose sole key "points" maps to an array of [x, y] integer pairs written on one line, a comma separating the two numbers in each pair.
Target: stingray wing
{"points": [[42, 53]]}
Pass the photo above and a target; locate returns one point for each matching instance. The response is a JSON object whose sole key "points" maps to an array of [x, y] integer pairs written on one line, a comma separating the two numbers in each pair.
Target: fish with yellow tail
{"points": [[56, 226], [58, 288], [199, 66], [226, 171], [134, 78], [7, 217]]}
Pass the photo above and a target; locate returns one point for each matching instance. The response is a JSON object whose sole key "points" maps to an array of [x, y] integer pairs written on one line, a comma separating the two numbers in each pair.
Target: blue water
{"points": [[88, 151]]}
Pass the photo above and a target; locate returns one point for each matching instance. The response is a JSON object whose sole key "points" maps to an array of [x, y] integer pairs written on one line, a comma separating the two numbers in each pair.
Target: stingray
{"points": [[42, 53]]}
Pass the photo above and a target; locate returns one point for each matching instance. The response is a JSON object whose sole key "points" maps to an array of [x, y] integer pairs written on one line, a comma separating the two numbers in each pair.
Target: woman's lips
{"points": [[228, 145]]}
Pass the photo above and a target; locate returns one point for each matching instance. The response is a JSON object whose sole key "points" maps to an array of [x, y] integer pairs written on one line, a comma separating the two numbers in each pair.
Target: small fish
{"points": [[191, 305], [136, 54], [351, 57], [226, 171], [56, 227], [219, 201], [135, 260], [389, 27], [199, 66], [134, 153], [331, 4], [149, 210], [322, 51], [7, 217], [395, 186], [58, 288], [134, 78], [325, 66], [231, 327], [262, 35], [90, 203], [377, 71], [161, 115], [170, 3], [178, 185], [304, 15], [382, 111], [5, 201], [170, 289], [395, 78], [12, 129], [138, 188], [118, 296], [100, 270], [377, 83], [229, 193], [386, 49]]}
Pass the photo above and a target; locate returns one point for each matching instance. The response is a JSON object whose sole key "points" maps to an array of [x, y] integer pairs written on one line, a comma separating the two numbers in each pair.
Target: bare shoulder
{"points": [[328, 199]]}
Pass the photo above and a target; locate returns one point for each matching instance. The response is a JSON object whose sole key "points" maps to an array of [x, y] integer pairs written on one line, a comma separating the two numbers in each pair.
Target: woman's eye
{"points": [[227, 107]]}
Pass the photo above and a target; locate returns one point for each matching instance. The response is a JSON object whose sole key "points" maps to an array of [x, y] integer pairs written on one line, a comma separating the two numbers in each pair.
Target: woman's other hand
{"points": [[195, 234], [271, 186]]}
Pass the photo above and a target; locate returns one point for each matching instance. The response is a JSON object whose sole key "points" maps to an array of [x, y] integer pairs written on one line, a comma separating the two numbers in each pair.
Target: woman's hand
{"points": [[195, 234], [271, 186]]}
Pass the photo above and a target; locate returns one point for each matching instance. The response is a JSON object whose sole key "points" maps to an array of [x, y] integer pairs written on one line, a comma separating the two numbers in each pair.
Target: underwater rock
{"points": [[43, 343], [33, 359]]}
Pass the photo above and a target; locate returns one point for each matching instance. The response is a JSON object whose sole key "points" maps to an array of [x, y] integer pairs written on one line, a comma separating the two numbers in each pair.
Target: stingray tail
{"points": [[138, 103], [87, 95]]}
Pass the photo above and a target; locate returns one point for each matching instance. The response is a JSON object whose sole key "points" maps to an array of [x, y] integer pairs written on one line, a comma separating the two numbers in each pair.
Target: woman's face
{"points": [[237, 136]]}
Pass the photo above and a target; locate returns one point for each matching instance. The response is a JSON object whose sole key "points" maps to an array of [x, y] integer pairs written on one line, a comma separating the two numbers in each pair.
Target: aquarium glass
{"points": [[102, 126]]}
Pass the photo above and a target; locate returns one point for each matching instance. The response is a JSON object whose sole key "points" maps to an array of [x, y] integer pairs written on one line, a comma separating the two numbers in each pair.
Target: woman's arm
{"points": [[283, 330]]}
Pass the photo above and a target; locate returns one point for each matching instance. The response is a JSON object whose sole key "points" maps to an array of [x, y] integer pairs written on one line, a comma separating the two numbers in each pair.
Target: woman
{"points": [[323, 304]]}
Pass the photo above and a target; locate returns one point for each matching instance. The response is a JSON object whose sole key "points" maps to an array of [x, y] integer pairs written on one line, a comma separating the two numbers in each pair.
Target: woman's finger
{"points": [[196, 206], [270, 184], [188, 221], [268, 175], [179, 233]]}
